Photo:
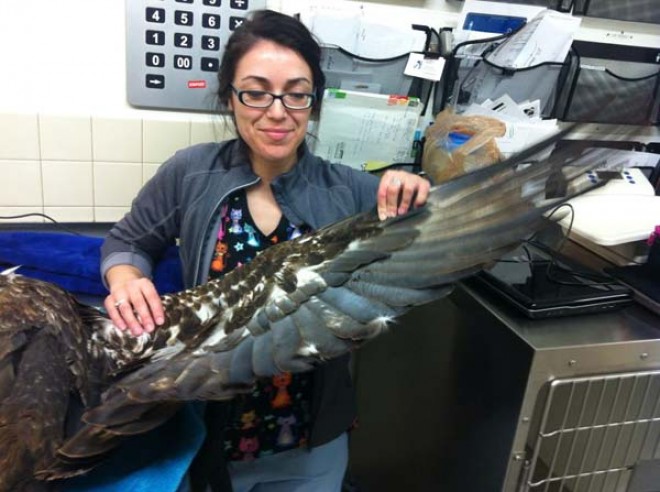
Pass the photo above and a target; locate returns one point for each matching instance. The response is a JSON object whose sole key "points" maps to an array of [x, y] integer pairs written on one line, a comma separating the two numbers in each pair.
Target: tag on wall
{"points": [[425, 68]]}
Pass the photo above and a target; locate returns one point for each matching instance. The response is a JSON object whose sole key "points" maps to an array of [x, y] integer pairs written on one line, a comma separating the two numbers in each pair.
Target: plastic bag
{"points": [[458, 144]]}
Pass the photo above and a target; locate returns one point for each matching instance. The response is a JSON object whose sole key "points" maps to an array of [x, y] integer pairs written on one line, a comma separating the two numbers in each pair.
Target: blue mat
{"points": [[157, 461], [73, 262]]}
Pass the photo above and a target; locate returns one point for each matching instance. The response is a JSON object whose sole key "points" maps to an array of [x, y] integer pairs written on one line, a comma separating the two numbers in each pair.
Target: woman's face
{"points": [[274, 133]]}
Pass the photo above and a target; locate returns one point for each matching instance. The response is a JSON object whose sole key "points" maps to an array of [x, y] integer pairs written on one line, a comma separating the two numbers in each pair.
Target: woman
{"points": [[226, 202]]}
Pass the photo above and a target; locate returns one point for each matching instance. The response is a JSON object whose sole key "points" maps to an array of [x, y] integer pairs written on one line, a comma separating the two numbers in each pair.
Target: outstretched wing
{"points": [[322, 295]]}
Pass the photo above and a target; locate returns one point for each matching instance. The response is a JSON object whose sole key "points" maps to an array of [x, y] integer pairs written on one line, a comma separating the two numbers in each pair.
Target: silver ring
{"points": [[120, 302], [396, 182]]}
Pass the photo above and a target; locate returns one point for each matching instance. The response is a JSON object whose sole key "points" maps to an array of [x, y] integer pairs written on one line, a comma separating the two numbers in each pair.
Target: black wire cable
{"points": [[433, 84], [39, 214], [365, 58], [554, 268], [416, 168], [596, 279]]}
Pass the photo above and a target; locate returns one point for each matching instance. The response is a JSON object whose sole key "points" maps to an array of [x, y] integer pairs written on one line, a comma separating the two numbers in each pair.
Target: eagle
{"points": [[296, 305]]}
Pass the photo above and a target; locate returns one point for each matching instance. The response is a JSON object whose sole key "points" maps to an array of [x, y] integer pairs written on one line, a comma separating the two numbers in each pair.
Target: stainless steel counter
{"points": [[634, 323]]}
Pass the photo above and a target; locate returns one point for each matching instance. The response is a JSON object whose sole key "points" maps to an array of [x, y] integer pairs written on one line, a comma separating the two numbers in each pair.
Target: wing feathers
{"points": [[295, 305], [350, 260], [354, 306], [396, 298], [287, 344], [263, 362], [258, 324], [319, 343], [339, 325], [240, 368]]}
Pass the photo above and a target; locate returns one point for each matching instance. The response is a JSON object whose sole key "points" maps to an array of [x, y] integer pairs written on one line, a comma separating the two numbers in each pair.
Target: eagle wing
{"points": [[309, 300], [322, 295]]}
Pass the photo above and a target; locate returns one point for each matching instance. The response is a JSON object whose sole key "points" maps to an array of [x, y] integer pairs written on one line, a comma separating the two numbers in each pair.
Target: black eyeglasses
{"points": [[264, 99]]}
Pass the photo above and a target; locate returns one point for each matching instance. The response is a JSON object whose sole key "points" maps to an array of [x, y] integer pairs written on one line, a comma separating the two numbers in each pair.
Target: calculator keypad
{"points": [[174, 47]]}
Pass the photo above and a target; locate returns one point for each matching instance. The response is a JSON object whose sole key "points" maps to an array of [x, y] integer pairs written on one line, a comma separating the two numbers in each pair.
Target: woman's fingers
{"points": [[398, 190], [136, 306]]}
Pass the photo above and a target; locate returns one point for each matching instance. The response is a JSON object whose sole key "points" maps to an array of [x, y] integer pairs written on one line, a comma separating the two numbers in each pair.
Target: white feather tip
{"points": [[9, 272]]}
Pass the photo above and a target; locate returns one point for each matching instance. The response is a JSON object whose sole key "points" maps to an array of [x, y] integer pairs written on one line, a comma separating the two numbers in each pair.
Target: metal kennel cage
{"points": [[593, 433]]}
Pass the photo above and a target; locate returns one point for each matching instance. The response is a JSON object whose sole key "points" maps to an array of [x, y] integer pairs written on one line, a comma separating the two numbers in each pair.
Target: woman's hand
{"points": [[398, 190], [133, 302]]}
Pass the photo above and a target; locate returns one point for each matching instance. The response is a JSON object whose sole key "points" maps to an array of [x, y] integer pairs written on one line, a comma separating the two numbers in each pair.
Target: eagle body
{"points": [[296, 305]]}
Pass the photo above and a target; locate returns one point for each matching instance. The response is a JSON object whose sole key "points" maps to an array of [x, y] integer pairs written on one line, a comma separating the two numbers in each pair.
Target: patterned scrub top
{"points": [[275, 416]]}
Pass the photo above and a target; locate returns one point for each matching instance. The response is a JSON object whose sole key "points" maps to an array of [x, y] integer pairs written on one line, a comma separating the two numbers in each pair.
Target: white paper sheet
{"points": [[356, 127], [521, 130], [349, 29], [545, 38]]}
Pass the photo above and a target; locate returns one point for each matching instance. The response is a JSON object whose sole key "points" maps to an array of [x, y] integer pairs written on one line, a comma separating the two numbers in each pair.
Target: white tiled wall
{"points": [[87, 168]]}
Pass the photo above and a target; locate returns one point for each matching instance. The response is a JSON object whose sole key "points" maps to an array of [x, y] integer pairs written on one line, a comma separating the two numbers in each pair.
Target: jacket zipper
{"points": [[198, 260]]}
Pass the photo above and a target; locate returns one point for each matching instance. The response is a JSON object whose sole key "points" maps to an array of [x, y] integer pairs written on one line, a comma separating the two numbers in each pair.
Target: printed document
{"points": [[357, 127]]}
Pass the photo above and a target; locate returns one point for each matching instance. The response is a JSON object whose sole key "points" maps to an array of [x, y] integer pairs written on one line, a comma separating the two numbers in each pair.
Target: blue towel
{"points": [[73, 262], [156, 461]]}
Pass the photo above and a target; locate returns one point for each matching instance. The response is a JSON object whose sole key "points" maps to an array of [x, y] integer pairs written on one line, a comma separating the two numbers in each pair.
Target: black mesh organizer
{"points": [[561, 5], [470, 78], [626, 10], [345, 70], [349, 71], [626, 76]]}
